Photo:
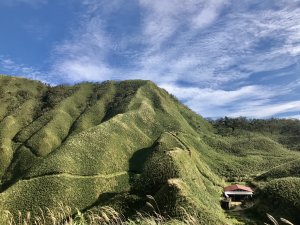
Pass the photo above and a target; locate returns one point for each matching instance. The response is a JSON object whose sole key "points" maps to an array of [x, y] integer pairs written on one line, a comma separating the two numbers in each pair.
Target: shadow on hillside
{"points": [[104, 197], [138, 159], [136, 165]]}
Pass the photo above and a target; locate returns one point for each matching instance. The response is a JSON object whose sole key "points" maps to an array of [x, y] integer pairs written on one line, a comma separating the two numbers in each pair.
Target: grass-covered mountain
{"points": [[114, 143]]}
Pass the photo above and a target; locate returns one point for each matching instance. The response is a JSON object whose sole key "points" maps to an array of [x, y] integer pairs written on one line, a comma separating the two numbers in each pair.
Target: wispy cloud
{"points": [[92, 44], [83, 57], [163, 19], [206, 44], [10, 67], [249, 101], [205, 52], [230, 48], [268, 110]]}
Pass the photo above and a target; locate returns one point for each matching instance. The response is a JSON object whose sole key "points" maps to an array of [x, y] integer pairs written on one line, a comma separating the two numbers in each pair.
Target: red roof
{"points": [[235, 187]]}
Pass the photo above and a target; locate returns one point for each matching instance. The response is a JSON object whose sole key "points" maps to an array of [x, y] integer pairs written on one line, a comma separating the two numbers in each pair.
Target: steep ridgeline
{"points": [[114, 143]]}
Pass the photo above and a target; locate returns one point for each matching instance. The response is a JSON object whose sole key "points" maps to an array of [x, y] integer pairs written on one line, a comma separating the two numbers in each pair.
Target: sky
{"points": [[219, 57]]}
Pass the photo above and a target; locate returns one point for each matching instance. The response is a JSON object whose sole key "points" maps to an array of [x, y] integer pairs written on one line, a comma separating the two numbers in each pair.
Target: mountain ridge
{"points": [[54, 140]]}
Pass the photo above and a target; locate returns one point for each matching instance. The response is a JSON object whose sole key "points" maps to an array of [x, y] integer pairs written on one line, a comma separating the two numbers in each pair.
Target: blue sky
{"points": [[219, 57]]}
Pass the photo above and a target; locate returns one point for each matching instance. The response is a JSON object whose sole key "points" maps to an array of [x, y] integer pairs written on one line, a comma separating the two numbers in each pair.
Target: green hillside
{"points": [[283, 131], [291, 168], [281, 197], [114, 143]]}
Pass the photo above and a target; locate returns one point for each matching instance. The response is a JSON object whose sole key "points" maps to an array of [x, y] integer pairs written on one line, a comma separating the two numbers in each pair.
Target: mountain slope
{"points": [[89, 144]]}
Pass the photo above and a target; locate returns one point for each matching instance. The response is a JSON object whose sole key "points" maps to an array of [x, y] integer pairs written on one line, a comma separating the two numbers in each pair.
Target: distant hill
{"points": [[284, 131], [114, 143]]}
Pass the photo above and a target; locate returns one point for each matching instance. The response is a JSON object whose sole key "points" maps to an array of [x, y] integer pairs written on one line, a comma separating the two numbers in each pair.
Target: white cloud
{"points": [[10, 67], [296, 116], [218, 97], [268, 110], [203, 53], [163, 18], [218, 50], [249, 101], [208, 14], [82, 70], [83, 56]]}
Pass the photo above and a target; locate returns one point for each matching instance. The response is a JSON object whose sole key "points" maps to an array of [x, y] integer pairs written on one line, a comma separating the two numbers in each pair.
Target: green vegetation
{"points": [[284, 131], [289, 169], [281, 197], [94, 145]]}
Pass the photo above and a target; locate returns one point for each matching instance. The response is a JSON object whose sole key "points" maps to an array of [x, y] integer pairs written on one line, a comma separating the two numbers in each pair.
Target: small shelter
{"points": [[238, 192]]}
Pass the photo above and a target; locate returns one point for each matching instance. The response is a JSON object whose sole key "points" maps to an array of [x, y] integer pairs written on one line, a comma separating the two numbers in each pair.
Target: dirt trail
{"points": [[105, 176]]}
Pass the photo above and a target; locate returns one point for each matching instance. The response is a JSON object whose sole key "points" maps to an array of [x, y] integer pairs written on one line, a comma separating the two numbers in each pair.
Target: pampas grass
{"points": [[275, 222], [105, 215]]}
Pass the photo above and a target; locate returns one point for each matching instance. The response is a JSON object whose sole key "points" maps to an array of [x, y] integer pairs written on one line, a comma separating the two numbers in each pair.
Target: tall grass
{"points": [[62, 215], [275, 222]]}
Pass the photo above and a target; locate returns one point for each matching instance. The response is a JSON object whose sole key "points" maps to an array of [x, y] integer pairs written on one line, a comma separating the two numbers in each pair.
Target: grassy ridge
{"points": [[18, 105], [91, 144]]}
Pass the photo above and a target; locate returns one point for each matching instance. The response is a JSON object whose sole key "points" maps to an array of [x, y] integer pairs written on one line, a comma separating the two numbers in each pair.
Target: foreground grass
{"points": [[104, 215], [107, 215]]}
